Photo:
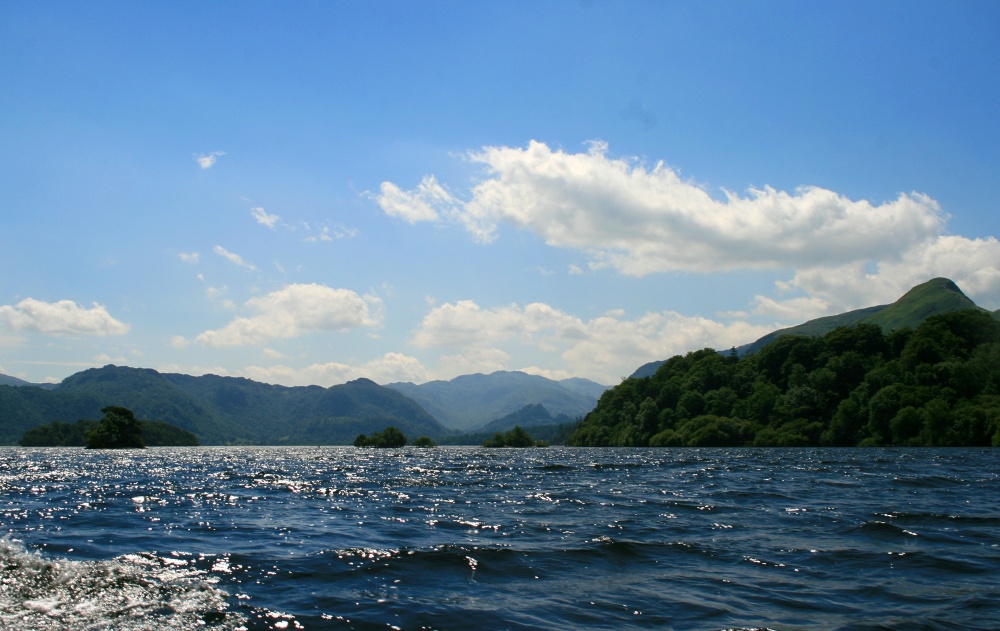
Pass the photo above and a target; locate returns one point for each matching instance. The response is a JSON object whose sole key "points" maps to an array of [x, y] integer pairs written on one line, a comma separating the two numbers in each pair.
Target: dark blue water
{"points": [[460, 538]]}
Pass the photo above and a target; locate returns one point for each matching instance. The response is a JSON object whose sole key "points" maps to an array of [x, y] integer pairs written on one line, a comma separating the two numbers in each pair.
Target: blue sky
{"points": [[312, 192]]}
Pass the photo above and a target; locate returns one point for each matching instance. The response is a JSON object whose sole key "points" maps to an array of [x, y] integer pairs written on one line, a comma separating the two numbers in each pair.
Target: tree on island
{"points": [[390, 437], [424, 441], [119, 429]]}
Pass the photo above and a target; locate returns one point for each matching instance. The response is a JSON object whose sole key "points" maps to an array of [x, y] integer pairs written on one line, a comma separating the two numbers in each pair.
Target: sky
{"points": [[313, 192]]}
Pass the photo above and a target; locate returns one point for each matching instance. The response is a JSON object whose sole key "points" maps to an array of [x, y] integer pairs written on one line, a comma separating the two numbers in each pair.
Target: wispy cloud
{"points": [[264, 218], [63, 317], [294, 311], [207, 160], [189, 257], [233, 258], [327, 234]]}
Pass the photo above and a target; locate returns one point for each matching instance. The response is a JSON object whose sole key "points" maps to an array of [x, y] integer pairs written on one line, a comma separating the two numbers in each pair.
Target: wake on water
{"points": [[130, 593]]}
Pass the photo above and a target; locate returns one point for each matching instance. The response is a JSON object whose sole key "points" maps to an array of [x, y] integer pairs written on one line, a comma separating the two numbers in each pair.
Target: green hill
{"points": [[938, 295], [935, 385]]}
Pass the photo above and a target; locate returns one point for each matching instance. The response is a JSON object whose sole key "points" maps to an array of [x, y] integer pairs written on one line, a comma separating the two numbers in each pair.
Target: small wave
{"points": [[878, 528], [929, 481], [130, 593], [555, 467]]}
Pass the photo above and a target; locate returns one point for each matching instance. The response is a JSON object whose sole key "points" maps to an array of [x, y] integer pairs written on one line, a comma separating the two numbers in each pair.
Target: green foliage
{"points": [[59, 434], [516, 437], [936, 385], [424, 441], [390, 437], [160, 434], [119, 429]]}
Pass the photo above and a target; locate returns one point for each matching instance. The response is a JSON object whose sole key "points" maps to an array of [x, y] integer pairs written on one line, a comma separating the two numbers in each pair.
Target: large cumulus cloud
{"points": [[836, 252], [296, 310]]}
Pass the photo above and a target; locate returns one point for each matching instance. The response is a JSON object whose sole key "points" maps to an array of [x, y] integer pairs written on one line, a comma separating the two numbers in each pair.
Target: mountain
{"points": [[7, 380], [938, 295], [583, 386], [532, 415], [471, 401], [220, 410]]}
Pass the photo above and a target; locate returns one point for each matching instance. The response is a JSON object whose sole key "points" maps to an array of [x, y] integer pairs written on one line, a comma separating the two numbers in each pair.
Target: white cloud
{"points": [[974, 265], [795, 310], [422, 204], [641, 221], [179, 342], [390, 368], [474, 360], [61, 317], [294, 311], [604, 348], [207, 160], [327, 234], [264, 218], [235, 259], [189, 257]]}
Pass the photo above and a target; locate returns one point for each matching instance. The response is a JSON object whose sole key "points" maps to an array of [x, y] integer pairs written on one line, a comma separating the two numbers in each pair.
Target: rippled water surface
{"points": [[459, 538]]}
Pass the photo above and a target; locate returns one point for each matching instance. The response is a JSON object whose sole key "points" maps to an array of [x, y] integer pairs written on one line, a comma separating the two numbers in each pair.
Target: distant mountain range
{"points": [[470, 402], [231, 410], [938, 295]]}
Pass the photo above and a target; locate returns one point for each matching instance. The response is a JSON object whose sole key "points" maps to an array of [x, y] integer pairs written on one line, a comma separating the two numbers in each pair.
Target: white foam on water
{"points": [[134, 592]]}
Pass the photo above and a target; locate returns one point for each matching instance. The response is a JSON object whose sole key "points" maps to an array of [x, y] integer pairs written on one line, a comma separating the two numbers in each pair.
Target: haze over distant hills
{"points": [[470, 402], [7, 380], [938, 295]]}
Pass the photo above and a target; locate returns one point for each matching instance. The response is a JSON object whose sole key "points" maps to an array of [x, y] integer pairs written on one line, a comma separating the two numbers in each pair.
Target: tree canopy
{"points": [[390, 437], [516, 437], [119, 429], [937, 385]]}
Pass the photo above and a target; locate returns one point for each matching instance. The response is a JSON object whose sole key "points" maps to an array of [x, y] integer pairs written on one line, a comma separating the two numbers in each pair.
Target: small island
{"points": [[119, 429], [516, 437], [388, 438]]}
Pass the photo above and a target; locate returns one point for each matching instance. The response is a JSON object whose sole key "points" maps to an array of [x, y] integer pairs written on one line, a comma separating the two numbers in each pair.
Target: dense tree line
{"points": [[936, 385]]}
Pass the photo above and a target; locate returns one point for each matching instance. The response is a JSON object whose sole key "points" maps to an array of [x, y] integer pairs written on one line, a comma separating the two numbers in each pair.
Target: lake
{"points": [[459, 538]]}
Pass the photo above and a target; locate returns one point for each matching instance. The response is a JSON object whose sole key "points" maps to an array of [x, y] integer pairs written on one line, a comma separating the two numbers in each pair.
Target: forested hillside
{"points": [[938, 384]]}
